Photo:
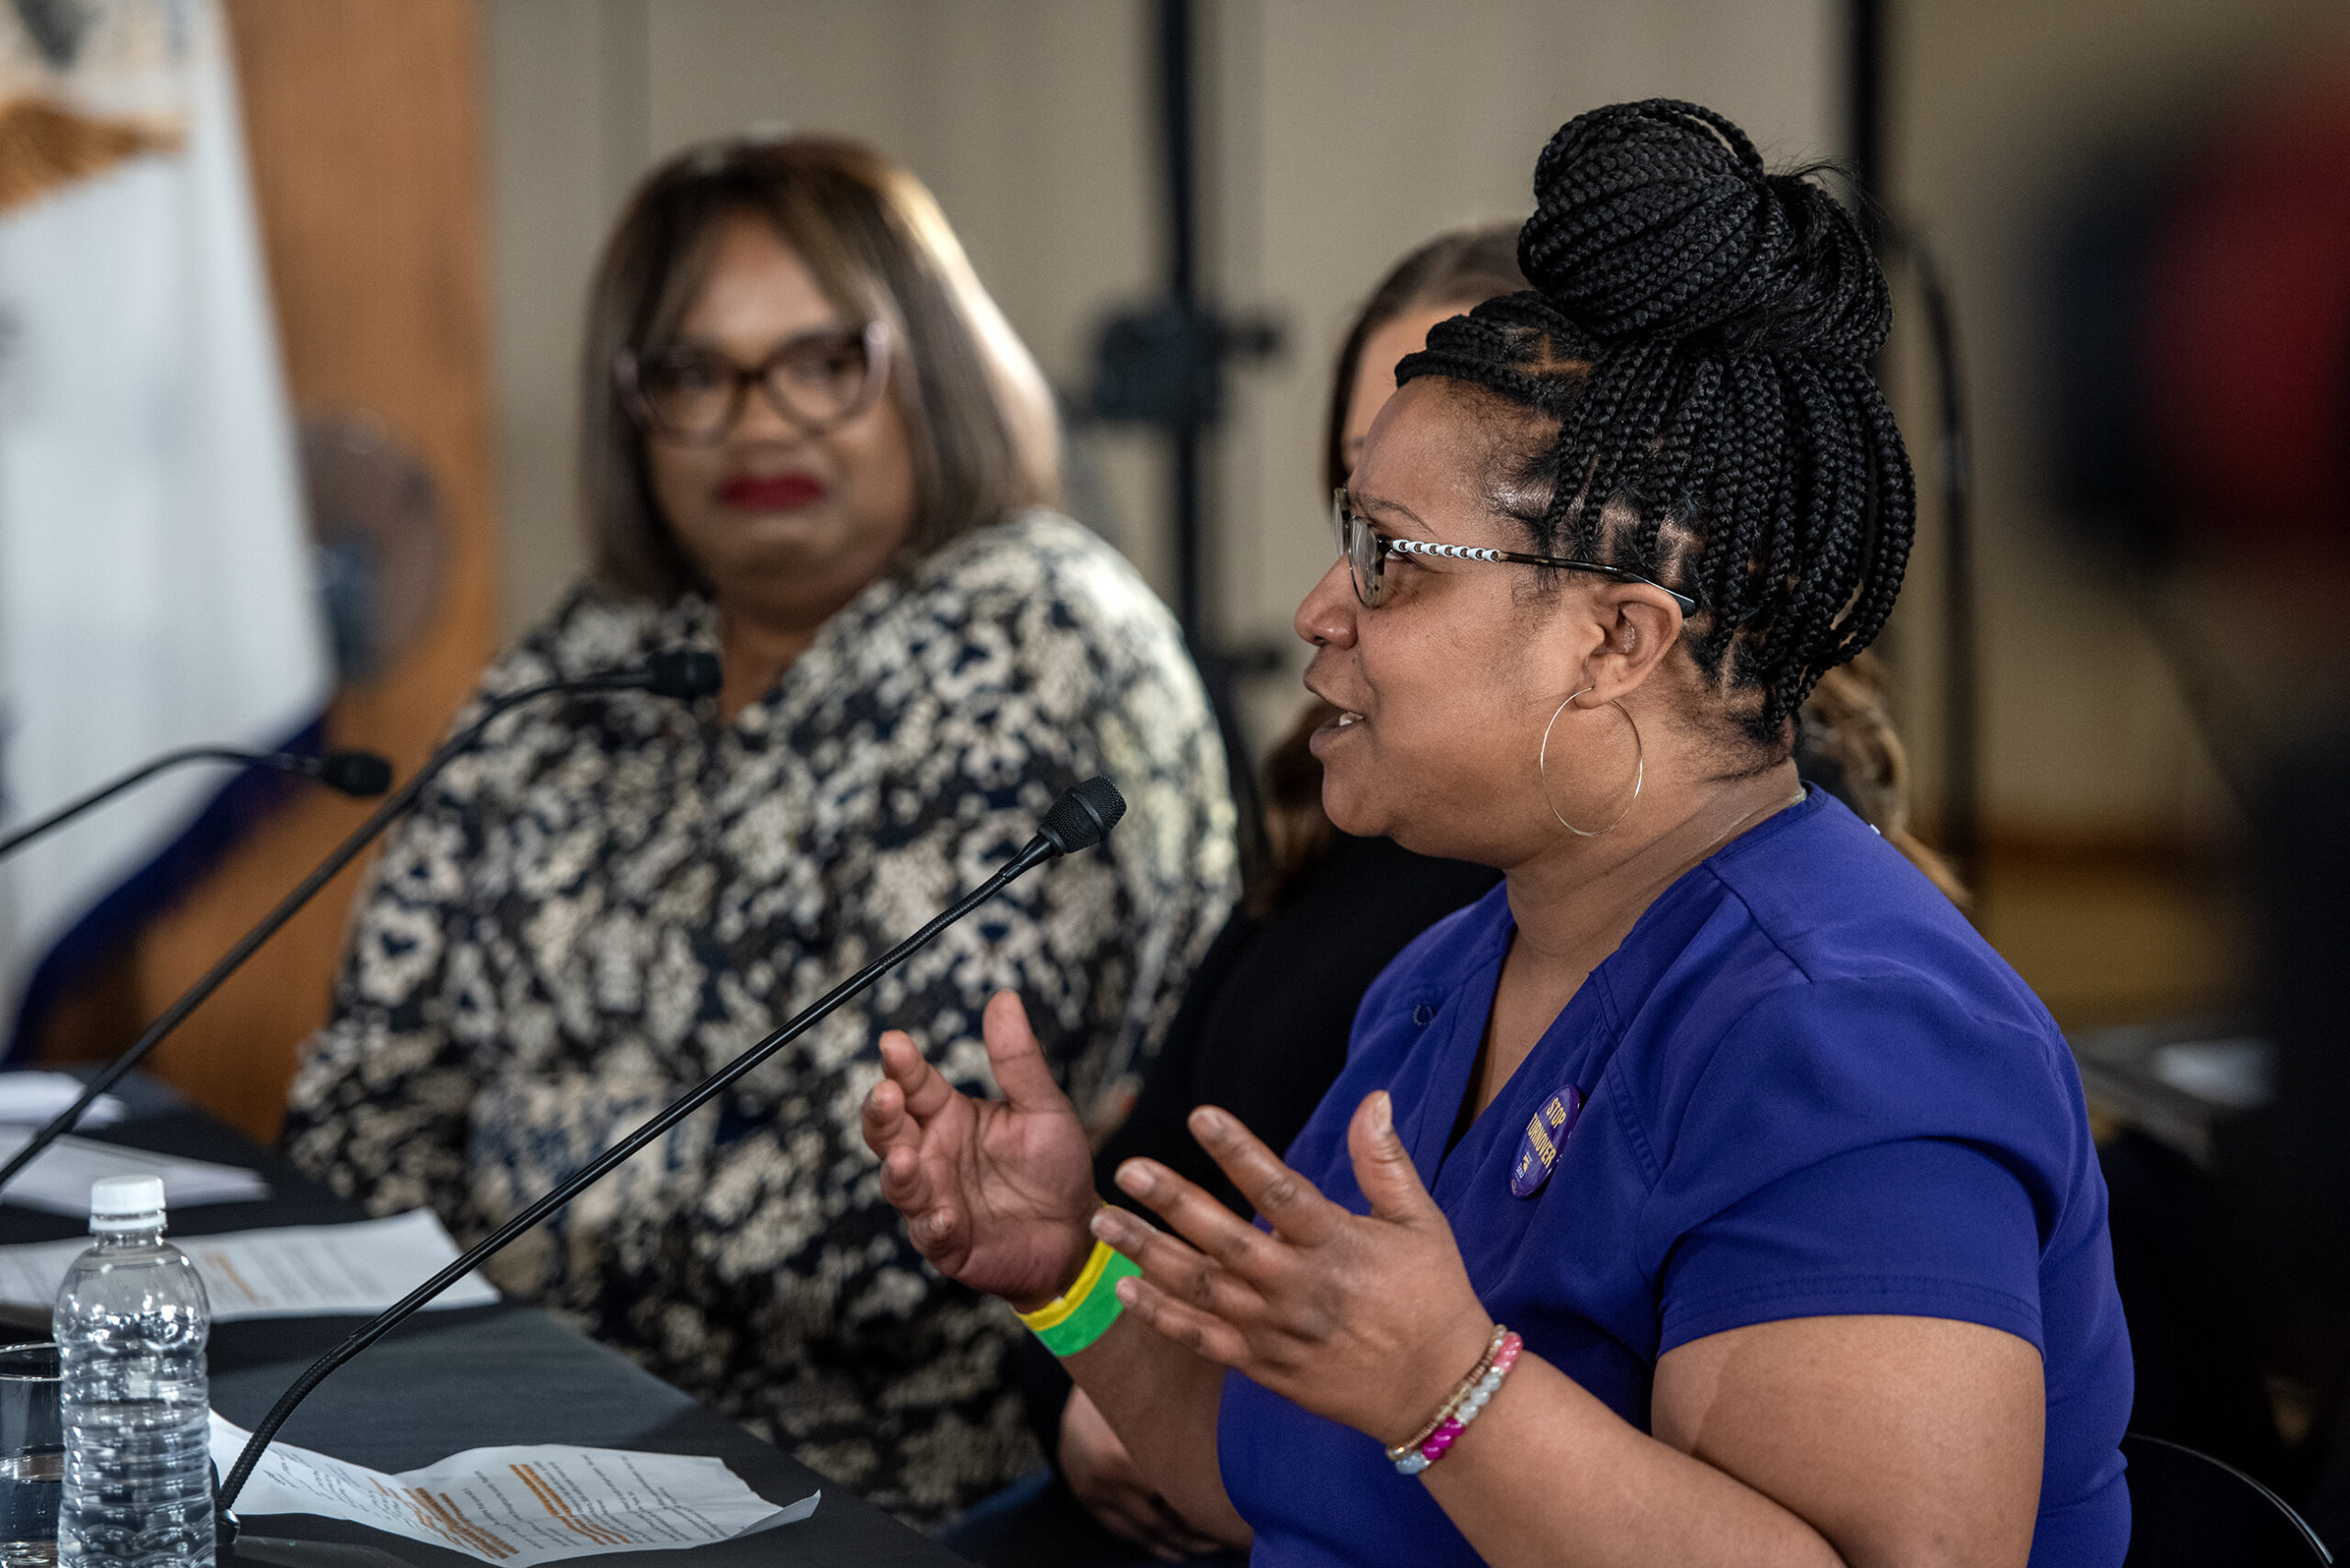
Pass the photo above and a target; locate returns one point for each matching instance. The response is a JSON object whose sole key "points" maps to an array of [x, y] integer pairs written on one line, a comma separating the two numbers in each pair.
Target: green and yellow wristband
{"points": [[1083, 1313]]}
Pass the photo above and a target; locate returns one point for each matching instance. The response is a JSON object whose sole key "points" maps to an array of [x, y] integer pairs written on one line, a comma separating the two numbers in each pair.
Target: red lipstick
{"points": [[772, 492]]}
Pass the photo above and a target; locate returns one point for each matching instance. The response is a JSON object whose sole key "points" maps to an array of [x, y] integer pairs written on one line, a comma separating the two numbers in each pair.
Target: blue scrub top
{"points": [[1812, 1090]]}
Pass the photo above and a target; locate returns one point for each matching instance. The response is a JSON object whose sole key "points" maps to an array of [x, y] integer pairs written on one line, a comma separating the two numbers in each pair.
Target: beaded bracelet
{"points": [[1461, 1391], [1083, 1313], [1455, 1422]]}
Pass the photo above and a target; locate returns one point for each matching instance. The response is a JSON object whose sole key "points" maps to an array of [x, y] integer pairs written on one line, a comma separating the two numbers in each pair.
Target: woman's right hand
{"points": [[996, 1193]]}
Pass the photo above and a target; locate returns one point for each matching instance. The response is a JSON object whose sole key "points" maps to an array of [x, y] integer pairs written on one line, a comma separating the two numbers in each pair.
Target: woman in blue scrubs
{"points": [[1707, 1193]]}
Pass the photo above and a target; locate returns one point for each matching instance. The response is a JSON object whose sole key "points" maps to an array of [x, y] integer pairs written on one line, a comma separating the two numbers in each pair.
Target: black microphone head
{"points": [[359, 773], [683, 673], [1082, 817]]}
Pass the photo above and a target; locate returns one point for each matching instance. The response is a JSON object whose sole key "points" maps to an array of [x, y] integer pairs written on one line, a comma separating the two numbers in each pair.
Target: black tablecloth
{"points": [[449, 1380]]}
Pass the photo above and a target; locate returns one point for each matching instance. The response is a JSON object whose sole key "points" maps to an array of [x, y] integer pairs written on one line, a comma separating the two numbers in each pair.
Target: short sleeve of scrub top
{"points": [[1806, 1088]]}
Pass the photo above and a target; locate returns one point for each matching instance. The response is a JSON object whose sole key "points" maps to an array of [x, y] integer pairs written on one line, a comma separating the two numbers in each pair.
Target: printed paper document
{"points": [[59, 1181], [535, 1503], [306, 1271], [32, 1098]]}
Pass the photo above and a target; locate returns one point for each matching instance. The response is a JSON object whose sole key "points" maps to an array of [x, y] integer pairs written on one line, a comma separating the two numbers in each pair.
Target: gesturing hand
{"points": [[996, 1194], [1367, 1319]]}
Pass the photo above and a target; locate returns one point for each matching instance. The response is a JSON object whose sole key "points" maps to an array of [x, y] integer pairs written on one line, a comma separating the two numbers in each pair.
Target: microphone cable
{"points": [[362, 773], [1081, 818]]}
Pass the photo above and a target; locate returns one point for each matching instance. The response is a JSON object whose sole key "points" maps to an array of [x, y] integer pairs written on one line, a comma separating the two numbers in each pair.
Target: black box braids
{"points": [[1700, 329]]}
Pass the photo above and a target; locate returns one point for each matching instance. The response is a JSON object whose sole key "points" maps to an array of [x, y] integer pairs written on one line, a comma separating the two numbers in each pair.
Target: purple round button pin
{"points": [[1546, 1131]]}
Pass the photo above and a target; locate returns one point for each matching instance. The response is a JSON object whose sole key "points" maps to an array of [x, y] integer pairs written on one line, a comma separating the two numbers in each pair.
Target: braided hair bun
{"points": [[1658, 220], [1699, 328]]}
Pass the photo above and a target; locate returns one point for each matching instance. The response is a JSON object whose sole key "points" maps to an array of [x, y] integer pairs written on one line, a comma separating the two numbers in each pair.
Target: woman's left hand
{"points": [[1367, 1319]]}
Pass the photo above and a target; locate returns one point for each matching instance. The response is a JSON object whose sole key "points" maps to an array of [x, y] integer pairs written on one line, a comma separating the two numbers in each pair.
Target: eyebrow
{"points": [[1377, 503], [681, 339]]}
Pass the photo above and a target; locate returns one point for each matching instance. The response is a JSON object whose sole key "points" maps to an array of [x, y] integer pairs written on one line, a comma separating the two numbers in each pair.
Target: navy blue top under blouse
{"points": [[1811, 1089]]}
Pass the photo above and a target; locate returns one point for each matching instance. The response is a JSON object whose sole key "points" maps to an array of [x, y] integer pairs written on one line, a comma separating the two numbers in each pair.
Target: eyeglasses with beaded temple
{"points": [[1365, 550]]}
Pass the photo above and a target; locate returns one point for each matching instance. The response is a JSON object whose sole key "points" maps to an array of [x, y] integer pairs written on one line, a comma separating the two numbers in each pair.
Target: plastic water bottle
{"points": [[132, 1323]]}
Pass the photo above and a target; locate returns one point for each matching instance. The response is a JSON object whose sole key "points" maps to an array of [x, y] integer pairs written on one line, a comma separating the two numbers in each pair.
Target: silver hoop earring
{"points": [[1639, 769]]}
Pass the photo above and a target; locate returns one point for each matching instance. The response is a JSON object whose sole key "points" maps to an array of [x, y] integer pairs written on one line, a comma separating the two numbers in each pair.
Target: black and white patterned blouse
{"points": [[616, 895]]}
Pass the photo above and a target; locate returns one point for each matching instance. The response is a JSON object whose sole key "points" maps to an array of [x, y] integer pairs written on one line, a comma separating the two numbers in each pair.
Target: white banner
{"points": [[155, 579]]}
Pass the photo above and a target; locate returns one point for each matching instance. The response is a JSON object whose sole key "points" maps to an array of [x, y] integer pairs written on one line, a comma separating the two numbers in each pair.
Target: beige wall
{"points": [[1340, 132], [1351, 131]]}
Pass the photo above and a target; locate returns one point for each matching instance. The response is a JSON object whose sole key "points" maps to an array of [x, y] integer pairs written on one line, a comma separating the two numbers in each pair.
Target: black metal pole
{"points": [[1184, 395], [1175, 118], [1184, 455], [1866, 105], [1962, 832], [1175, 109], [1961, 804]]}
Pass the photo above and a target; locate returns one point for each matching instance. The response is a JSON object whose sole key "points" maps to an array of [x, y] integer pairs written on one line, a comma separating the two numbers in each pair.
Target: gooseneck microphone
{"points": [[361, 773], [681, 674], [1081, 818]]}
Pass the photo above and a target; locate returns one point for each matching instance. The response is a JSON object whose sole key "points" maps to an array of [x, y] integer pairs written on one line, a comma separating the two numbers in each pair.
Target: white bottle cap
{"points": [[126, 1203]]}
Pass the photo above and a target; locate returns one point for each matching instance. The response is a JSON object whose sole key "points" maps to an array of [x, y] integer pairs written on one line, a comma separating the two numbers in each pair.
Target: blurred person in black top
{"points": [[1263, 1027]]}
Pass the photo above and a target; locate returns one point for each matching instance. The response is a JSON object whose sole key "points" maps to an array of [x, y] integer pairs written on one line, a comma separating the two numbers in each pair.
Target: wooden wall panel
{"points": [[364, 123]]}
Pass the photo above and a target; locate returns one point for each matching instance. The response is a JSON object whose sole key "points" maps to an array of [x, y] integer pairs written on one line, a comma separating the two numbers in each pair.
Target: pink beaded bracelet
{"points": [[1461, 1391], [1456, 1420]]}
